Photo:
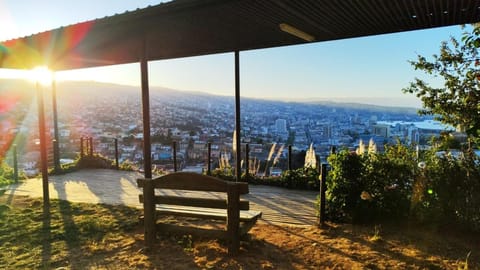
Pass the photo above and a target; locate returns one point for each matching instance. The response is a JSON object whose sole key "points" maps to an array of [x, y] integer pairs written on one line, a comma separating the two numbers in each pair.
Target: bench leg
{"points": [[233, 220], [149, 213]]}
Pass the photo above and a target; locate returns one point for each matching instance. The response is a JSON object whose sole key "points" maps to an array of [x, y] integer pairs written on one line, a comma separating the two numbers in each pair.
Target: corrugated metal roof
{"points": [[185, 28]]}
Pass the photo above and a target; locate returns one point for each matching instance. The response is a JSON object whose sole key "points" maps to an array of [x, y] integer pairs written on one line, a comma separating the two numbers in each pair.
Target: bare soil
{"points": [[336, 246]]}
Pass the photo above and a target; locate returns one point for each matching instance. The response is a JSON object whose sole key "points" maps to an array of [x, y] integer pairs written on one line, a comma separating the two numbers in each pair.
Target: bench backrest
{"points": [[196, 182]]}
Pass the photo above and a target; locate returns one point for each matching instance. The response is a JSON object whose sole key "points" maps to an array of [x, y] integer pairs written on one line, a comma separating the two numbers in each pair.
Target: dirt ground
{"points": [[336, 246]]}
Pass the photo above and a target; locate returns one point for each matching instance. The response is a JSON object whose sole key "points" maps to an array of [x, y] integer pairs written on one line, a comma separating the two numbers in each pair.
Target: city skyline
{"points": [[370, 70]]}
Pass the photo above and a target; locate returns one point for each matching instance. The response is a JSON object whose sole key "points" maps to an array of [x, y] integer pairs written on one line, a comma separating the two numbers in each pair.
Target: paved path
{"points": [[279, 206]]}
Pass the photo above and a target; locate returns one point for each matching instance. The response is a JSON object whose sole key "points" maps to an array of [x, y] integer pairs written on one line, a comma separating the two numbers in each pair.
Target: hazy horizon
{"points": [[373, 101], [370, 69]]}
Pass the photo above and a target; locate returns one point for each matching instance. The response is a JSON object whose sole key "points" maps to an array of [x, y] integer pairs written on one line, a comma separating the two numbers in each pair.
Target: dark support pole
{"points": [[91, 146], [43, 148], [247, 159], [81, 146], [174, 149], [148, 191], [290, 157], [209, 158], [15, 163], [147, 158], [323, 188], [116, 154], [237, 116], [333, 150], [56, 150]]}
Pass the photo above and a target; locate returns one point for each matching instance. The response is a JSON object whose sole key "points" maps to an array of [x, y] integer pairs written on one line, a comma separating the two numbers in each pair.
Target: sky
{"points": [[370, 70]]}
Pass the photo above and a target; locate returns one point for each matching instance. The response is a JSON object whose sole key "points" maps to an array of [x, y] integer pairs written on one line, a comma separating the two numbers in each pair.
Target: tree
{"points": [[457, 103]]}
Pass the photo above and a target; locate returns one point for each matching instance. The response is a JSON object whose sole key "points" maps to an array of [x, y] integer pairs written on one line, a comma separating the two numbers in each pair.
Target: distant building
{"points": [[381, 130], [281, 125], [327, 132], [413, 136]]}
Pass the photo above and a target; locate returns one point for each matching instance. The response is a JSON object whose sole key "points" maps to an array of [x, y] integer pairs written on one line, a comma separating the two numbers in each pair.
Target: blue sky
{"points": [[368, 70]]}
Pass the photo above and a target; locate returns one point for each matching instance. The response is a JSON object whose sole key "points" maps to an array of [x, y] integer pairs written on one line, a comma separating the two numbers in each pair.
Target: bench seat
{"points": [[205, 213]]}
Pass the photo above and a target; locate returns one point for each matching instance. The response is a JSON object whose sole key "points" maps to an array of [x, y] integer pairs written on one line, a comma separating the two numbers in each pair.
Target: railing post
{"points": [[15, 163], [56, 158], [247, 160], [91, 146], [116, 154], [56, 149], [323, 187], [81, 147], [174, 145], [209, 158], [290, 157]]}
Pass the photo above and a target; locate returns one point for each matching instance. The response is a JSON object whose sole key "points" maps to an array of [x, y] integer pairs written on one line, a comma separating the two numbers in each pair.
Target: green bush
{"points": [[225, 174], [302, 178], [373, 187], [6, 175], [450, 196], [344, 185], [95, 161], [127, 165]]}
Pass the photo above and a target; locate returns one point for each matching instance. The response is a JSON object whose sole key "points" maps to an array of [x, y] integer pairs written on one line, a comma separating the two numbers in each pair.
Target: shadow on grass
{"points": [[46, 237]]}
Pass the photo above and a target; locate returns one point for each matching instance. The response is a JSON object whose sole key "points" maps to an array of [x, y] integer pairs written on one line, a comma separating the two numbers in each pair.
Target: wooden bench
{"points": [[227, 206]]}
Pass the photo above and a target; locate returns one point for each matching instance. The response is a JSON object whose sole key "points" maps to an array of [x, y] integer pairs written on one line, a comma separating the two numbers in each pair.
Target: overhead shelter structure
{"points": [[184, 28]]}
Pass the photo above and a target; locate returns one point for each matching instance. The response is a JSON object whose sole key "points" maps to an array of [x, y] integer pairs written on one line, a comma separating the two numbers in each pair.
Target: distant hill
{"points": [[103, 90], [370, 107]]}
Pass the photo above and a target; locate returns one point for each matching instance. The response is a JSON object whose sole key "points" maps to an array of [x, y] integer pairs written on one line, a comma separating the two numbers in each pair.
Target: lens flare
{"points": [[42, 75]]}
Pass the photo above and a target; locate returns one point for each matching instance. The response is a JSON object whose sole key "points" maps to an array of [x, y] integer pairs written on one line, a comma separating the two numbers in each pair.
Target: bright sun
{"points": [[42, 75]]}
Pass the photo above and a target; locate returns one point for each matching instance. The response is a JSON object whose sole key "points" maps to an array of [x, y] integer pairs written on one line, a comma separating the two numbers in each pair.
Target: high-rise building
{"points": [[413, 136], [281, 125], [327, 132]]}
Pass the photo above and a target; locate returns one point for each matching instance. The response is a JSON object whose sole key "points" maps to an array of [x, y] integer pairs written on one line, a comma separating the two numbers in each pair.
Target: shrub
{"points": [[95, 161], [450, 196], [225, 174], [376, 186], [344, 185], [6, 174], [127, 165], [303, 178]]}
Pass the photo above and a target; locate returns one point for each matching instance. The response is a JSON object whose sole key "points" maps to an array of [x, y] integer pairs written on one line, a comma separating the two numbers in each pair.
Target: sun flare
{"points": [[42, 75]]}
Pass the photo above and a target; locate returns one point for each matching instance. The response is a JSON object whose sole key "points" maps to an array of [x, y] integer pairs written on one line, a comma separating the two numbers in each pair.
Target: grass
{"points": [[71, 234], [5, 181]]}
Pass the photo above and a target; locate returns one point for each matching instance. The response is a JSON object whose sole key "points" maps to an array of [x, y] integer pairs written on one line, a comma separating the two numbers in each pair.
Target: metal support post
{"points": [[43, 147]]}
